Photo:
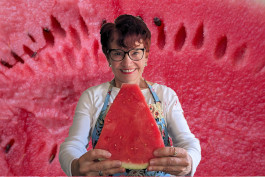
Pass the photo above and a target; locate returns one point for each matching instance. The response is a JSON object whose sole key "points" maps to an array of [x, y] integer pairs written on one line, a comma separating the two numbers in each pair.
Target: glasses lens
{"points": [[116, 55], [136, 54]]}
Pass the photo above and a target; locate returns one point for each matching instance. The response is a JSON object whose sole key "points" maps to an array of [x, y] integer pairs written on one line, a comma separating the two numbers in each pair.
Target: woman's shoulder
{"points": [[163, 89], [167, 95]]}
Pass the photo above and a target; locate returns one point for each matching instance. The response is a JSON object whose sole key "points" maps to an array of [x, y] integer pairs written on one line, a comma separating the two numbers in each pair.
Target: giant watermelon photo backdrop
{"points": [[211, 52]]}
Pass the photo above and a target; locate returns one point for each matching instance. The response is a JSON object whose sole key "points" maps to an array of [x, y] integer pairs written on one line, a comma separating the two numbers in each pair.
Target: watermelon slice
{"points": [[210, 52], [130, 132]]}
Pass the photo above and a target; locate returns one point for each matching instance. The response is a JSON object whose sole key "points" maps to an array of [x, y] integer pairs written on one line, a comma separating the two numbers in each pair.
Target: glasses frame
{"points": [[109, 50]]}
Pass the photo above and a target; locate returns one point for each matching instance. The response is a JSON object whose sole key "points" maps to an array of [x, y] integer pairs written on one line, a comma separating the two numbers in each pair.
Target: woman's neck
{"points": [[142, 83]]}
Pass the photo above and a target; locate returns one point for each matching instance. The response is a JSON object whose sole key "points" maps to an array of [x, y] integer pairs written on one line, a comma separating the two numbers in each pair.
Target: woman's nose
{"points": [[126, 61]]}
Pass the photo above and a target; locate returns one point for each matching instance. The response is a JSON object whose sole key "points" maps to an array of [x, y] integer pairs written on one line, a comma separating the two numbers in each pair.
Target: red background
{"points": [[210, 52]]}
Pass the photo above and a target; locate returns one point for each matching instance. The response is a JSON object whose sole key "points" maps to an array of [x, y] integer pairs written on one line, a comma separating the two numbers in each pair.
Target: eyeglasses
{"points": [[134, 54]]}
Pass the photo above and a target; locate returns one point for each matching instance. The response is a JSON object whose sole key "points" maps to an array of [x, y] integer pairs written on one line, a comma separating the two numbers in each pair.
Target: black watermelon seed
{"points": [[31, 37], [6, 64], [48, 36], [46, 30], [53, 153], [34, 55], [157, 21], [9, 145], [28, 51], [51, 158], [18, 58]]}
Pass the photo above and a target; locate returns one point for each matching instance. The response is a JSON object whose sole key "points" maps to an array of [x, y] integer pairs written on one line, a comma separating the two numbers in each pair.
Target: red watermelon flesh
{"points": [[210, 52], [130, 132]]}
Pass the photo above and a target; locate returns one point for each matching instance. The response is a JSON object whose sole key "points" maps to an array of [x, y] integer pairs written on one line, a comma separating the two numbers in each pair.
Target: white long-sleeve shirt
{"points": [[88, 109]]}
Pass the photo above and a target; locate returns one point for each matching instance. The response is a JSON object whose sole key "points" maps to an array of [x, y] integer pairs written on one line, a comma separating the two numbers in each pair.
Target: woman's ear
{"points": [[146, 55], [146, 58], [109, 62]]}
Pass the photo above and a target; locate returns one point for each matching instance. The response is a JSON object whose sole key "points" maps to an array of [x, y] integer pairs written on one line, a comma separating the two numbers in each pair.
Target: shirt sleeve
{"points": [[179, 130], [76, 143]]}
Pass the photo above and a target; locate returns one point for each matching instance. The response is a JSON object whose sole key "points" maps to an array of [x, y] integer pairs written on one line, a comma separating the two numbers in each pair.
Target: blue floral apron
{"points": [[156, 110]]}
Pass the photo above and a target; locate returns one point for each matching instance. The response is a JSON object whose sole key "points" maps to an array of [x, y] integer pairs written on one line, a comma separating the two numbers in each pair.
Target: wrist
{"points": [[190, 161], [75, 168]]}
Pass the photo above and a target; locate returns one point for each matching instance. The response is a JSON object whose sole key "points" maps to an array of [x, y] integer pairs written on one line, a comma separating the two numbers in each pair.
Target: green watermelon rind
{"points": [[134, 166]]}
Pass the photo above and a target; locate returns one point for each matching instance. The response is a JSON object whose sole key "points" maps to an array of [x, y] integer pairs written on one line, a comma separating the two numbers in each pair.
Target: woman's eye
{"points": [[117, 53], [135, 53]]}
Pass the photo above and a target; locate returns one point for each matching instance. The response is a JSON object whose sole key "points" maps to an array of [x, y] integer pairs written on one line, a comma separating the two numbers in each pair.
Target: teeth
{"points": [[127, 71]]}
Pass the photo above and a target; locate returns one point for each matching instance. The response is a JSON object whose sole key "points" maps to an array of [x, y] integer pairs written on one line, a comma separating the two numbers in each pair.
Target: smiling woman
{"points": [[129, 35], [126, 44], [127, 66]]}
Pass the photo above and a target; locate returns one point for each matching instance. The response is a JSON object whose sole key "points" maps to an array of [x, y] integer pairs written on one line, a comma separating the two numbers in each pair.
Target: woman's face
{"points": [[127, 70]]}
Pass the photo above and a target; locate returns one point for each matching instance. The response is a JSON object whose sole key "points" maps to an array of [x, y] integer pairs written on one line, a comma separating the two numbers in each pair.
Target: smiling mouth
{"points": [[127, 71]]}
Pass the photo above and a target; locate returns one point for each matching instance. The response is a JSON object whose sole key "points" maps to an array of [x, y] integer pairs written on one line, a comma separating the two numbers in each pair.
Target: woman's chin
{"points": [[128, 80]]}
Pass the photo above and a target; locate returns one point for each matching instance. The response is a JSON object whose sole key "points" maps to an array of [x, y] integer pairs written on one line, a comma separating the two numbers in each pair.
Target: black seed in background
{"points": [[157, 21], [9, 145], [51, 158], [46, 30], [6, 64], [53, 153], [17, 58], [31, 37], [28, 51], [48, 36], [33, 55]]}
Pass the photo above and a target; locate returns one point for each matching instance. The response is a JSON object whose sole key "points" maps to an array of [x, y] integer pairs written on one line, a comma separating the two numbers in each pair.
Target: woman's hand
{"points": [[89, 165], [173, 160]]}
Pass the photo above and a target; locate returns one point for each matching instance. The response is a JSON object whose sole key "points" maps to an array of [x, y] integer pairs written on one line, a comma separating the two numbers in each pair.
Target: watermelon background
{"points": [[210, 52]]}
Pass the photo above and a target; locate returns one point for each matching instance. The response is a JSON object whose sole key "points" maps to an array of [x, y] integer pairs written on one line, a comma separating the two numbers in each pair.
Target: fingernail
{"points": [[149, 169], [155, 153], [152, 162], [118, 163], [108, 154]]}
